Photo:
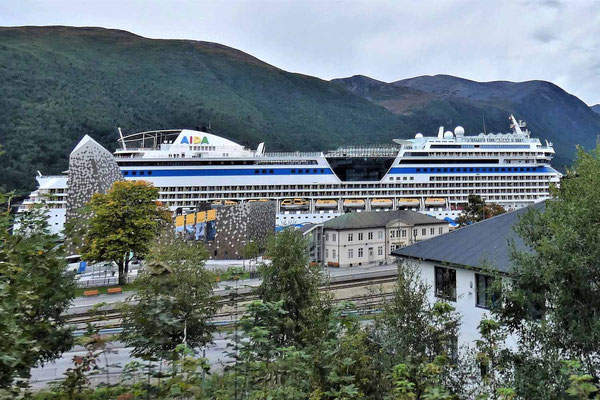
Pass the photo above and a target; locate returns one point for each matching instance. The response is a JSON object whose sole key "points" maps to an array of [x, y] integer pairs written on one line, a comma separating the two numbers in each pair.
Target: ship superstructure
{"points": [[51, 195], [433, 174]]}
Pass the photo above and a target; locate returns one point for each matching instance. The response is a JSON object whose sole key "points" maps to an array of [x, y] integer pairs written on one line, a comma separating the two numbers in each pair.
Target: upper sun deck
{"points": [[179, 143], [518, 139]]}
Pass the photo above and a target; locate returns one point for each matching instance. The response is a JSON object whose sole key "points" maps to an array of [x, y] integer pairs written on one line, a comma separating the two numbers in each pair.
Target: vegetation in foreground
{"points": [[297, 343]]}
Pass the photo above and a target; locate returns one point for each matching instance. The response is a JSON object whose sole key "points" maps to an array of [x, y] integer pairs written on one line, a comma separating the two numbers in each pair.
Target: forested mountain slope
{"points": [[60, 83], [551, 113]]}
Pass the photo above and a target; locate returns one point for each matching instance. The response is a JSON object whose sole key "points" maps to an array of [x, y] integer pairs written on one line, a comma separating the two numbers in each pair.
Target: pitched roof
{"points": [[486, 242], [372, 219]]}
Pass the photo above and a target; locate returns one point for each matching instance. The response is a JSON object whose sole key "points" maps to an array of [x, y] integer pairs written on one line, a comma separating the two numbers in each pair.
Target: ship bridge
{"points": [[362, 163]]}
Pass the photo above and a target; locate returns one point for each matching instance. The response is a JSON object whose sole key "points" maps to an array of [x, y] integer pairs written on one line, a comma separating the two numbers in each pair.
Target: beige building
{"points": [[361, 238]]}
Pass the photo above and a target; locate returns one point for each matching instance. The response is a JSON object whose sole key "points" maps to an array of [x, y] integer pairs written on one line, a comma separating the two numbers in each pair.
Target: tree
{"points": [[553, 302], [413, 332], [123, 223], [290, 279], [35, 291], [478, 210], [174, 301]]}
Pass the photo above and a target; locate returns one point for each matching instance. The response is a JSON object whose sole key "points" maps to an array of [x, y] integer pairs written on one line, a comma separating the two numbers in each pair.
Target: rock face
{"points": [[92, 169]]}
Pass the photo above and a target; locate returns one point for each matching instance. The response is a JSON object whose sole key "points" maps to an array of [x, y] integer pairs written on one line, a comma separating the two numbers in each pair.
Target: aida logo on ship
{"points": [[194, 140]]}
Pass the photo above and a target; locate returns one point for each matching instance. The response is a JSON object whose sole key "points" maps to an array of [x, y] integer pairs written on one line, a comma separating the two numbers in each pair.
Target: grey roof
{"points": [[304, 228], [486, 242], [373, 219]]}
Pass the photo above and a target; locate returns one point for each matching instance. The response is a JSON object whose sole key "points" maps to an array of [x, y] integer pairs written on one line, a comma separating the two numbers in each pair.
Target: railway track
{"points": [[112, 318]]}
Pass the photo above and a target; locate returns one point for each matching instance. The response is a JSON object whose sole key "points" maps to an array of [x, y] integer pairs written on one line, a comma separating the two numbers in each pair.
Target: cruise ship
{"points": [[431, 174]]}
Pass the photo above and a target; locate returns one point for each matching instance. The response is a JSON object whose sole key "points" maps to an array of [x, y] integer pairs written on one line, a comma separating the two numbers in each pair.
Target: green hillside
{"points": [[61, 83], [430, 101]]}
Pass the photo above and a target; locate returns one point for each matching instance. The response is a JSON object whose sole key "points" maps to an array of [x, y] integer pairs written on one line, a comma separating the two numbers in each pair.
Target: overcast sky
{"points": [[552, 40]]}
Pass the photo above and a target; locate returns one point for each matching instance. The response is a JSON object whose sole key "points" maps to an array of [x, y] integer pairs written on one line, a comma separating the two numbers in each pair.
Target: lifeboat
{"points": [[354, 203], [217, 204], [410, 203], [382, 203], [435, 201], [222, 203], [255, 200], [326, 204], [294, 204]]}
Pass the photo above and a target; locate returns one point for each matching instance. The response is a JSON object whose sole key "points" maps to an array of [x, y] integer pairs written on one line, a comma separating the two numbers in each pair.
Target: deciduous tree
{"points": [[174, 301], [477, 210], [553, 302], [35, 290], [289, 278], [123, 223]]}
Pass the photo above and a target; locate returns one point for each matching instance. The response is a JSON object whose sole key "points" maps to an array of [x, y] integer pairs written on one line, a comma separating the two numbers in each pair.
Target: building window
{"points": [[403, 233], [415, 232], [350, 253], [392, 234], [360, 252], [445, 283], [360, 236], [424, 231], [326, 253], [432, 231], [379, 234], [380, 251], [327, 237], [333, 237], [333, 254], [351, 237], [370, 236], [440, 230], [483, 285]]}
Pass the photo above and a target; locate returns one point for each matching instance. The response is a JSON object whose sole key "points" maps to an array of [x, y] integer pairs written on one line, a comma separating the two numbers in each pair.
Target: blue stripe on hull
{"points": [[227, 172], [470, 170]]}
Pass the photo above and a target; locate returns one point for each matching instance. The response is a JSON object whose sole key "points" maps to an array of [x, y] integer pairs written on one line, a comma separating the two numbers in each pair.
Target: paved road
{"points": [[216, 353]]}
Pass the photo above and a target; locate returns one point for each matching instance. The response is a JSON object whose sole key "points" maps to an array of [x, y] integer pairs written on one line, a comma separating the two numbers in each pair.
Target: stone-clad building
{"points": [[92, 169], [227, 230]]}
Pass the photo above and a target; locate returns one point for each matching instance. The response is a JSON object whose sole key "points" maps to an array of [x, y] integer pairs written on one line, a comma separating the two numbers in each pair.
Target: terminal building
{"points": [[368, 238]]}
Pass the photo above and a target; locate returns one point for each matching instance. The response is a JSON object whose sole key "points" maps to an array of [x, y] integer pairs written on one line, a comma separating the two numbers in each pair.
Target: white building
{"points": [[457, 266], [369, 237]]}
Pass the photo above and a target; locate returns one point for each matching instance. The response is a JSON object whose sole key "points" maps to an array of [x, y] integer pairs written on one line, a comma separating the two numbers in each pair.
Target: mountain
{"points": [[60, 83], [596, 108], [551, 113]]}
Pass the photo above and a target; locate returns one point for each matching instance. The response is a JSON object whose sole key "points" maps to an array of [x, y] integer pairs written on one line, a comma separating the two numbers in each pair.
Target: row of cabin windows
{"points": [[361, 189], [481, 169], [445, 287]]}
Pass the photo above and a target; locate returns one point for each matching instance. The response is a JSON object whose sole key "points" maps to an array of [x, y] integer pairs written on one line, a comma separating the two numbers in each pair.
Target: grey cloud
{"points": [[545, 35]]}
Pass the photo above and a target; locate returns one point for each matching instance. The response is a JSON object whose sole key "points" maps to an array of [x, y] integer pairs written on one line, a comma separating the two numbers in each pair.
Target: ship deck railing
{"points": [[290, 154]]}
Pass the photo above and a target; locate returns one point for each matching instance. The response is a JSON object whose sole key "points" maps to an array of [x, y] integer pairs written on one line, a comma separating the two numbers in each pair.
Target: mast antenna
{"points": [[484, 131], [122, 139]]}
